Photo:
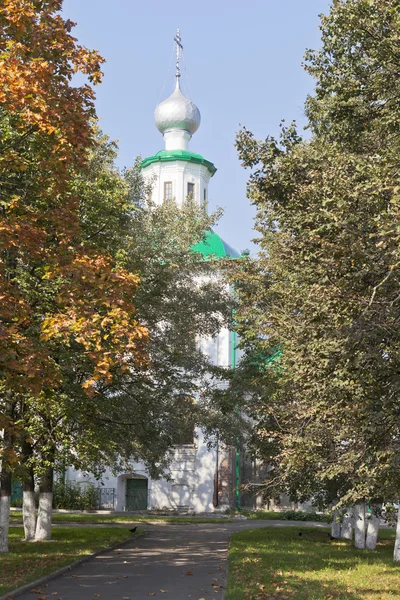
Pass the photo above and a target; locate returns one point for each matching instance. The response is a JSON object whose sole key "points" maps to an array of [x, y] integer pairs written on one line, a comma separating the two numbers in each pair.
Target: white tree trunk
{"points": [[28, 496], [335, 526], [372, 532], [396, 554], [4, 522], [29, 514], [359, 525], [43, 525], [347, 525]]}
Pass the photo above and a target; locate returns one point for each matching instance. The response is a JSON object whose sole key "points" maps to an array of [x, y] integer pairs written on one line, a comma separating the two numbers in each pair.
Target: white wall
{"points": [[180, 173], [192, 480]]}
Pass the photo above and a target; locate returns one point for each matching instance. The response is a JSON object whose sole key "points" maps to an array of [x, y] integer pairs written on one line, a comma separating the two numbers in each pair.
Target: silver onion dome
{"points": [[177, 112]]}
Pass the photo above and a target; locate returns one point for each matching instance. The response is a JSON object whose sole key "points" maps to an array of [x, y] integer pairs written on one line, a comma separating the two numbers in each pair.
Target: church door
{"points": [[136, 494]]}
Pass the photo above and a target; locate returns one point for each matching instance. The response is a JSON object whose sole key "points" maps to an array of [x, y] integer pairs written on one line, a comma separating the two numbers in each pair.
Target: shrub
{"points": [[70, 495]]}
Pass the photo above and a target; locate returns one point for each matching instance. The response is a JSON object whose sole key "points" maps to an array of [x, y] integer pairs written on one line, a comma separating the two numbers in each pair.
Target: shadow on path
{"points": [[173, 561]]}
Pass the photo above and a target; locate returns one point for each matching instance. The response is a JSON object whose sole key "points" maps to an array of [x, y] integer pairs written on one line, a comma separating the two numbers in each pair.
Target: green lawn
{"points": [[16, 516], [278, 564], [28, 561]]}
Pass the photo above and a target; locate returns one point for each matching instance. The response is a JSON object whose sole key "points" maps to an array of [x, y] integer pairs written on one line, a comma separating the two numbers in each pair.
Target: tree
{"points": [[326, 285], [181, 297], [52, 284], [102, 295]]}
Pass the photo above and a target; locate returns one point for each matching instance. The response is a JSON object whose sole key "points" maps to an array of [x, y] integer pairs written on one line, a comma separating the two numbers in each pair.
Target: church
{"points": [[202, 479]]}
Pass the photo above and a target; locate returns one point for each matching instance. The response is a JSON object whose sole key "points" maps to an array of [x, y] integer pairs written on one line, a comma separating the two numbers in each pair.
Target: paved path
{"points": [[172, 562]]}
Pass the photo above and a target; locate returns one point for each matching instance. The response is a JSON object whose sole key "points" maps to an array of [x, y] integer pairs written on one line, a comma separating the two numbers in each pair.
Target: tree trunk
{"points": [[28, 506], [43, 524], [396, 554], [359, 525], [372, 532], [5, 498], [347, 525], [5, 472], [335, 527]]}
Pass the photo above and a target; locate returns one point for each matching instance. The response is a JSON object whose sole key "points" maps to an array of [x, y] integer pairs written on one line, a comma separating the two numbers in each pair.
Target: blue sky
{"points": [[242, 64]]}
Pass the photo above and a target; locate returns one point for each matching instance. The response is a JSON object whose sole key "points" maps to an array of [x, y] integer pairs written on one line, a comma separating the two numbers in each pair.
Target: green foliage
{"points": [[325, 288], [143, 411], [290, 515], [70, 495], [281, 515]]}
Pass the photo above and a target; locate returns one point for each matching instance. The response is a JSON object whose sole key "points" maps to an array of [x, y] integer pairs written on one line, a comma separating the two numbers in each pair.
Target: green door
{"points": [[136, 494]]}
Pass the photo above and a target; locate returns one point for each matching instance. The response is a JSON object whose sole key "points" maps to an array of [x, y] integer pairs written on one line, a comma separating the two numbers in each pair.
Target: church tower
{"points": [[175, 172]]}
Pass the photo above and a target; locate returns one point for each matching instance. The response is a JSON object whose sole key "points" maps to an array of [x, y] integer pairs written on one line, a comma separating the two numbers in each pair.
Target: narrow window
{"points": [[190, 190], [167, 190]]}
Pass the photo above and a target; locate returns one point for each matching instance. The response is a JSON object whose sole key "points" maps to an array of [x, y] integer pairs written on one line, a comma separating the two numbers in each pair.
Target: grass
{"points": [[27, 562], [16, 517], [275, 563]]}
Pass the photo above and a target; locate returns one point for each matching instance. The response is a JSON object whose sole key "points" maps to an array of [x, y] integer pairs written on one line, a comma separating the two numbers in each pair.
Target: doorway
{"points": [[136, 494]]}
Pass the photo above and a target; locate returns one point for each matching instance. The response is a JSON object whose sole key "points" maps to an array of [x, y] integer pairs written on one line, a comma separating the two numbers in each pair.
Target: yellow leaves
{"points": [[90, 387], [96, 310], [37, 45]]}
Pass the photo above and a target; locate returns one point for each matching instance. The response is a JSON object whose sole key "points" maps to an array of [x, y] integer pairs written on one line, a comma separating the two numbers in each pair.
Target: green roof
{"points": [[213, 245], [170, 155]]}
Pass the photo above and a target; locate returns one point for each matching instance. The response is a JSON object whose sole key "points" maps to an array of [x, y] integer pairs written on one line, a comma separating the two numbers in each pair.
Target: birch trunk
{"points": [[372, 532], [5, 474], [5, 498], [335, 526], [43, 524], [396, 554], [28, 506], [347, 525], [359, 526]]}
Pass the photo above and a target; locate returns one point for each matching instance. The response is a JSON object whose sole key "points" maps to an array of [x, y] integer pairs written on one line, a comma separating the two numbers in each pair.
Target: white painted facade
{"points": [[191, 486], [179, 173]]}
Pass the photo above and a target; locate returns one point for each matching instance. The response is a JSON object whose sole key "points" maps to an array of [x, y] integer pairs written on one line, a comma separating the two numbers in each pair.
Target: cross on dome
{"points": [[177, 118], [179, 50]]}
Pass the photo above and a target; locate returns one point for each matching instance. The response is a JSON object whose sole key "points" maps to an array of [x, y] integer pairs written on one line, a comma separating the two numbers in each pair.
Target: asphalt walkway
{"points": [[172, 562]]}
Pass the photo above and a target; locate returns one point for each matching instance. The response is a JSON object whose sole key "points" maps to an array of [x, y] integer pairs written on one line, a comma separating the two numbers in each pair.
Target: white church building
{"points": [[202, 479]]}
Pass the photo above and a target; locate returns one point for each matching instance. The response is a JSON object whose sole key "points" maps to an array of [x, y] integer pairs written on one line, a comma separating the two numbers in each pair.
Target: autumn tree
{"points": [[325, 288], [55, 289], [89, 268]]}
